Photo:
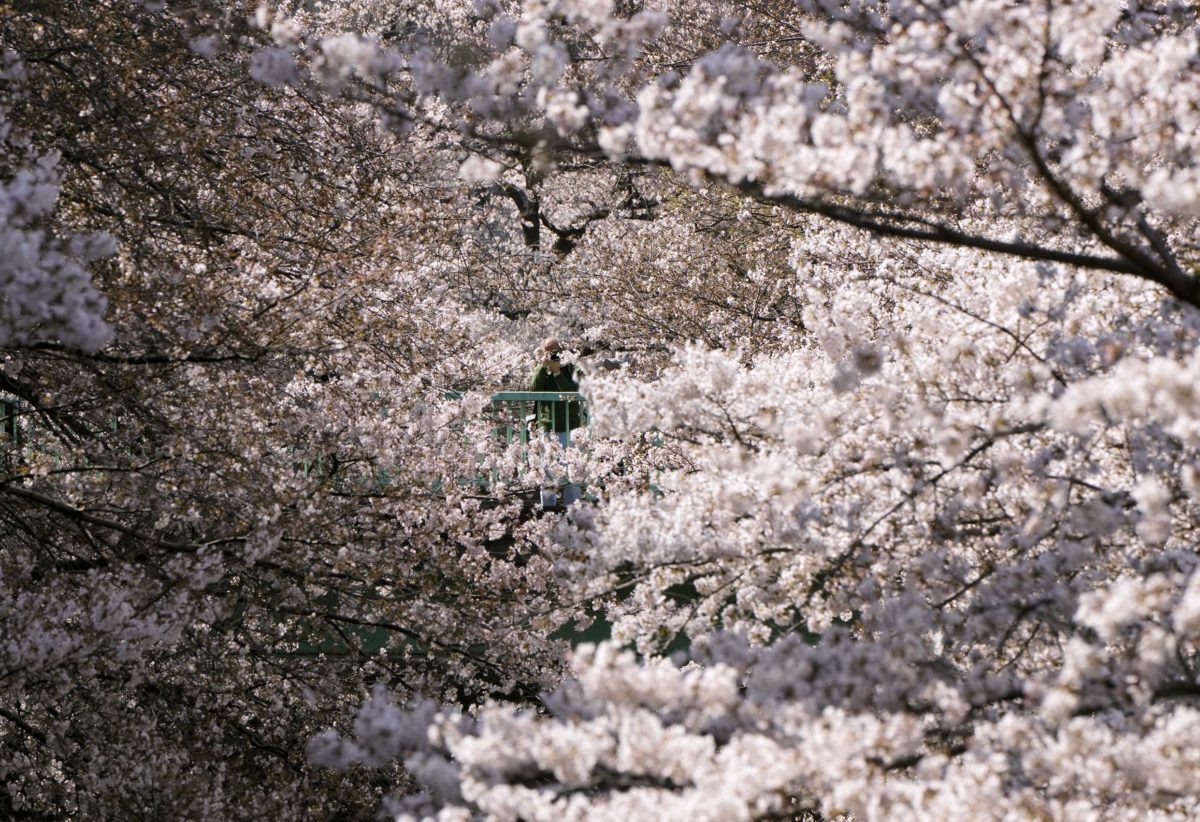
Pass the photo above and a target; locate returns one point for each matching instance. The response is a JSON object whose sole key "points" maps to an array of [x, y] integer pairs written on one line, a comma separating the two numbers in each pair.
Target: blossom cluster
{"points": [[45, 284]]}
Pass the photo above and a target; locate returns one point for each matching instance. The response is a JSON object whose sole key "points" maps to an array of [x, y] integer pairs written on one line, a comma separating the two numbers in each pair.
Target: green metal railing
{"points": [[19, 436], [515, 416], [516, 413], [9, 415]]}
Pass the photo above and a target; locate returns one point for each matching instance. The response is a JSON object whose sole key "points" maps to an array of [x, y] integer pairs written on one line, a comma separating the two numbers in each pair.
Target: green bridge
{"points": [[515, 413]]}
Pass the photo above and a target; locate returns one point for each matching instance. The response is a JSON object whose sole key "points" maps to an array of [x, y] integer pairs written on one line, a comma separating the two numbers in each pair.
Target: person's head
{"points": [[551, 349]]}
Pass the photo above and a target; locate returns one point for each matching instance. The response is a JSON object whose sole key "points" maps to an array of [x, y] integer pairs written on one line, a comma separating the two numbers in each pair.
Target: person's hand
{"points": [[551, 365]]}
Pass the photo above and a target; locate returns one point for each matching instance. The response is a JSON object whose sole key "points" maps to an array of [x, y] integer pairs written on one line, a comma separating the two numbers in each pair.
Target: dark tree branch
{"points": [[1128, 259], [529, 211]]}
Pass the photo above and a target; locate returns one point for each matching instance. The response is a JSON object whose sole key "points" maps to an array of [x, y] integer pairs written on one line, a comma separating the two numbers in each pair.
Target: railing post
{"points": [[8, 420]]}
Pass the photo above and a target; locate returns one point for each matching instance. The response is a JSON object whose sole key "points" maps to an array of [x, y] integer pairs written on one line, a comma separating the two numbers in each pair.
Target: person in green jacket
{"points": [[558, 416], [552, 374]]}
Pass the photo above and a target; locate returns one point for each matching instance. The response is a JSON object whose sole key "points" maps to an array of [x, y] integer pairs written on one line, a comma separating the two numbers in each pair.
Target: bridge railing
{"points": [[9, 421], [516, 414], [21, 436]]}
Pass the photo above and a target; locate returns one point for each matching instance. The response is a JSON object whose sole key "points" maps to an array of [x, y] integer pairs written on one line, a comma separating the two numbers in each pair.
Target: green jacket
{"points": [[558, 416]]}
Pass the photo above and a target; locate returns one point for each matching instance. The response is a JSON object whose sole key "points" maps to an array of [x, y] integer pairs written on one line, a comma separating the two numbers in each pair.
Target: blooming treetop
{"points": [[913, 119]]}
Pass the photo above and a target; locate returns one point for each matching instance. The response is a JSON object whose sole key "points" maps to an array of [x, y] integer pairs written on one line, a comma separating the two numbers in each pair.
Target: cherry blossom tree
{"points": [[935, 555], [235, 503], [896, 438]]}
